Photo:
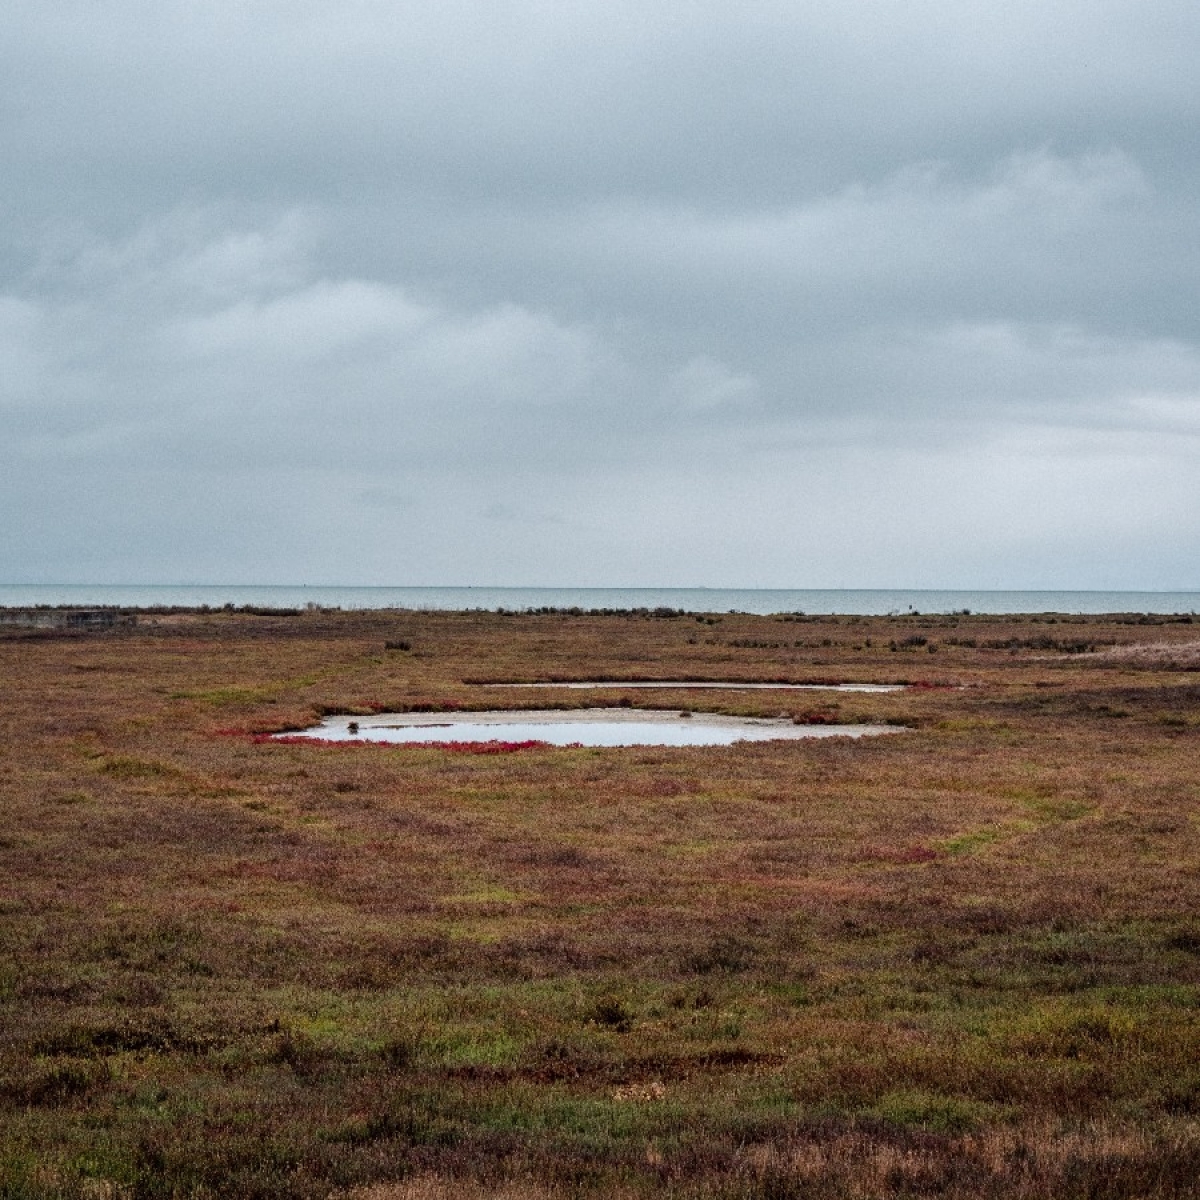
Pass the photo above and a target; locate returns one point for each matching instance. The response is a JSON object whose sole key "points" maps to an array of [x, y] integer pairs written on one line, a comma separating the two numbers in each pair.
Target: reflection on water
{"points": [[718, 685], [587, 727]]}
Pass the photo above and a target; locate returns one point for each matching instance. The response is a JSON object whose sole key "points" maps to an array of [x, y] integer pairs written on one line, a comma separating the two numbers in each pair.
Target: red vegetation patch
{"points": [[815, 717], [492, 747], [898, 854]]}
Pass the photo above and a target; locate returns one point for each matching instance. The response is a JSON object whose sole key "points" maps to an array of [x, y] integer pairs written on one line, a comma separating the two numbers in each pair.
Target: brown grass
{"points": [[1161, 656], [960, 962]]}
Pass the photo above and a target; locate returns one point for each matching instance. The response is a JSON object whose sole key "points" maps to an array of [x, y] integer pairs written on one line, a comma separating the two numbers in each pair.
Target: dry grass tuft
{"points": [[1156, 656], [432, 1187]]}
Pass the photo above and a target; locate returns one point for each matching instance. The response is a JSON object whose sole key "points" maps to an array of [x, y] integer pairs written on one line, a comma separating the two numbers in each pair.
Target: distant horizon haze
{"points": [[762, 601]]}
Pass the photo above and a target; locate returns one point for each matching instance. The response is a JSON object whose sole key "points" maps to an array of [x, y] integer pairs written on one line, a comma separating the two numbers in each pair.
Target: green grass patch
{"points": [[933, 1112], [965, 844]]}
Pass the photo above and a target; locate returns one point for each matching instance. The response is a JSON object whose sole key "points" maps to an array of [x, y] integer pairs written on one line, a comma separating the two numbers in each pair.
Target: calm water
{"points": [[587, 727], [696, 685], [714, 600]]}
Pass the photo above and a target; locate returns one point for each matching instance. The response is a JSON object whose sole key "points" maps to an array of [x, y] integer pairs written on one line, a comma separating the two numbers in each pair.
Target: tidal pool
{"points": [[719, 685], [587, 727]]}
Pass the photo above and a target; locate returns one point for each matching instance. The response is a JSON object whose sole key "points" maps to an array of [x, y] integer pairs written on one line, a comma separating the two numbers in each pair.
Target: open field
{"points": [[959, 962]]}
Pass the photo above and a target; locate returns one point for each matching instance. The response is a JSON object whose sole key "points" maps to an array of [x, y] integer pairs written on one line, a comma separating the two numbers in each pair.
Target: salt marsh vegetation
{"points": [[960, 962]]}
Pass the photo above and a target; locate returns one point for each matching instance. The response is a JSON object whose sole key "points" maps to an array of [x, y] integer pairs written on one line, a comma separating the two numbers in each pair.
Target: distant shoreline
{"points": [[757, 601]]}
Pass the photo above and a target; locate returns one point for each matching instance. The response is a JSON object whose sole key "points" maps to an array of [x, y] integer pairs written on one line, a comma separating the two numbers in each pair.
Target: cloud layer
{"points": [[573, 294]]}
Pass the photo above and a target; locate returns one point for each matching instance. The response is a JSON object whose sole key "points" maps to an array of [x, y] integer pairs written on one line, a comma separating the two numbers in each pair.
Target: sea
{"points": [[860, 601]]}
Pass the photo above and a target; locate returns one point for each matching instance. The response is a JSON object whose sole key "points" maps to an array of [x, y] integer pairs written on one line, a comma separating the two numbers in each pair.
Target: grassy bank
{"points": [[964, 961]]}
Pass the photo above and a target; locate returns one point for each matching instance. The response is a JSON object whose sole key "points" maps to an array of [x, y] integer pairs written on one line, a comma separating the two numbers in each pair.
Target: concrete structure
{"points": [[85, 620]]}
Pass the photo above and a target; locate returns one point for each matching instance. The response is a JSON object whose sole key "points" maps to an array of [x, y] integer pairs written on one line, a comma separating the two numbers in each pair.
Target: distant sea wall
{"points": [[83, 620]]}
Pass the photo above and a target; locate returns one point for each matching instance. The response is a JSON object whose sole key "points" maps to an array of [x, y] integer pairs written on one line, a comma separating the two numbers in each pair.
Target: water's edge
{"points": [[573, 727], [758, 601], [716, 685]]}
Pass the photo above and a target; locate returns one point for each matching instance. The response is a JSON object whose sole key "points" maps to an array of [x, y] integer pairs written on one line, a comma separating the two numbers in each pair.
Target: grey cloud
{"points": [[673, 290], [681, 99]]}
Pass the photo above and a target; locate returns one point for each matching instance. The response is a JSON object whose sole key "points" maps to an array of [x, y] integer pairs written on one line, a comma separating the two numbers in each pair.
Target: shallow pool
{"points": [[714, 684], [587, 727]]}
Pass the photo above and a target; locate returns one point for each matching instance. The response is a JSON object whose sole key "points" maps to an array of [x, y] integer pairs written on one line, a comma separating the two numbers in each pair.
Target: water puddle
{"points": [[716, 685], [586, 727]]}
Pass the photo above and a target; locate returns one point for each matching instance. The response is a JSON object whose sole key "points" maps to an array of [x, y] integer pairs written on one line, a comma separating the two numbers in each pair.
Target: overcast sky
{"points": [[856, 293]]}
